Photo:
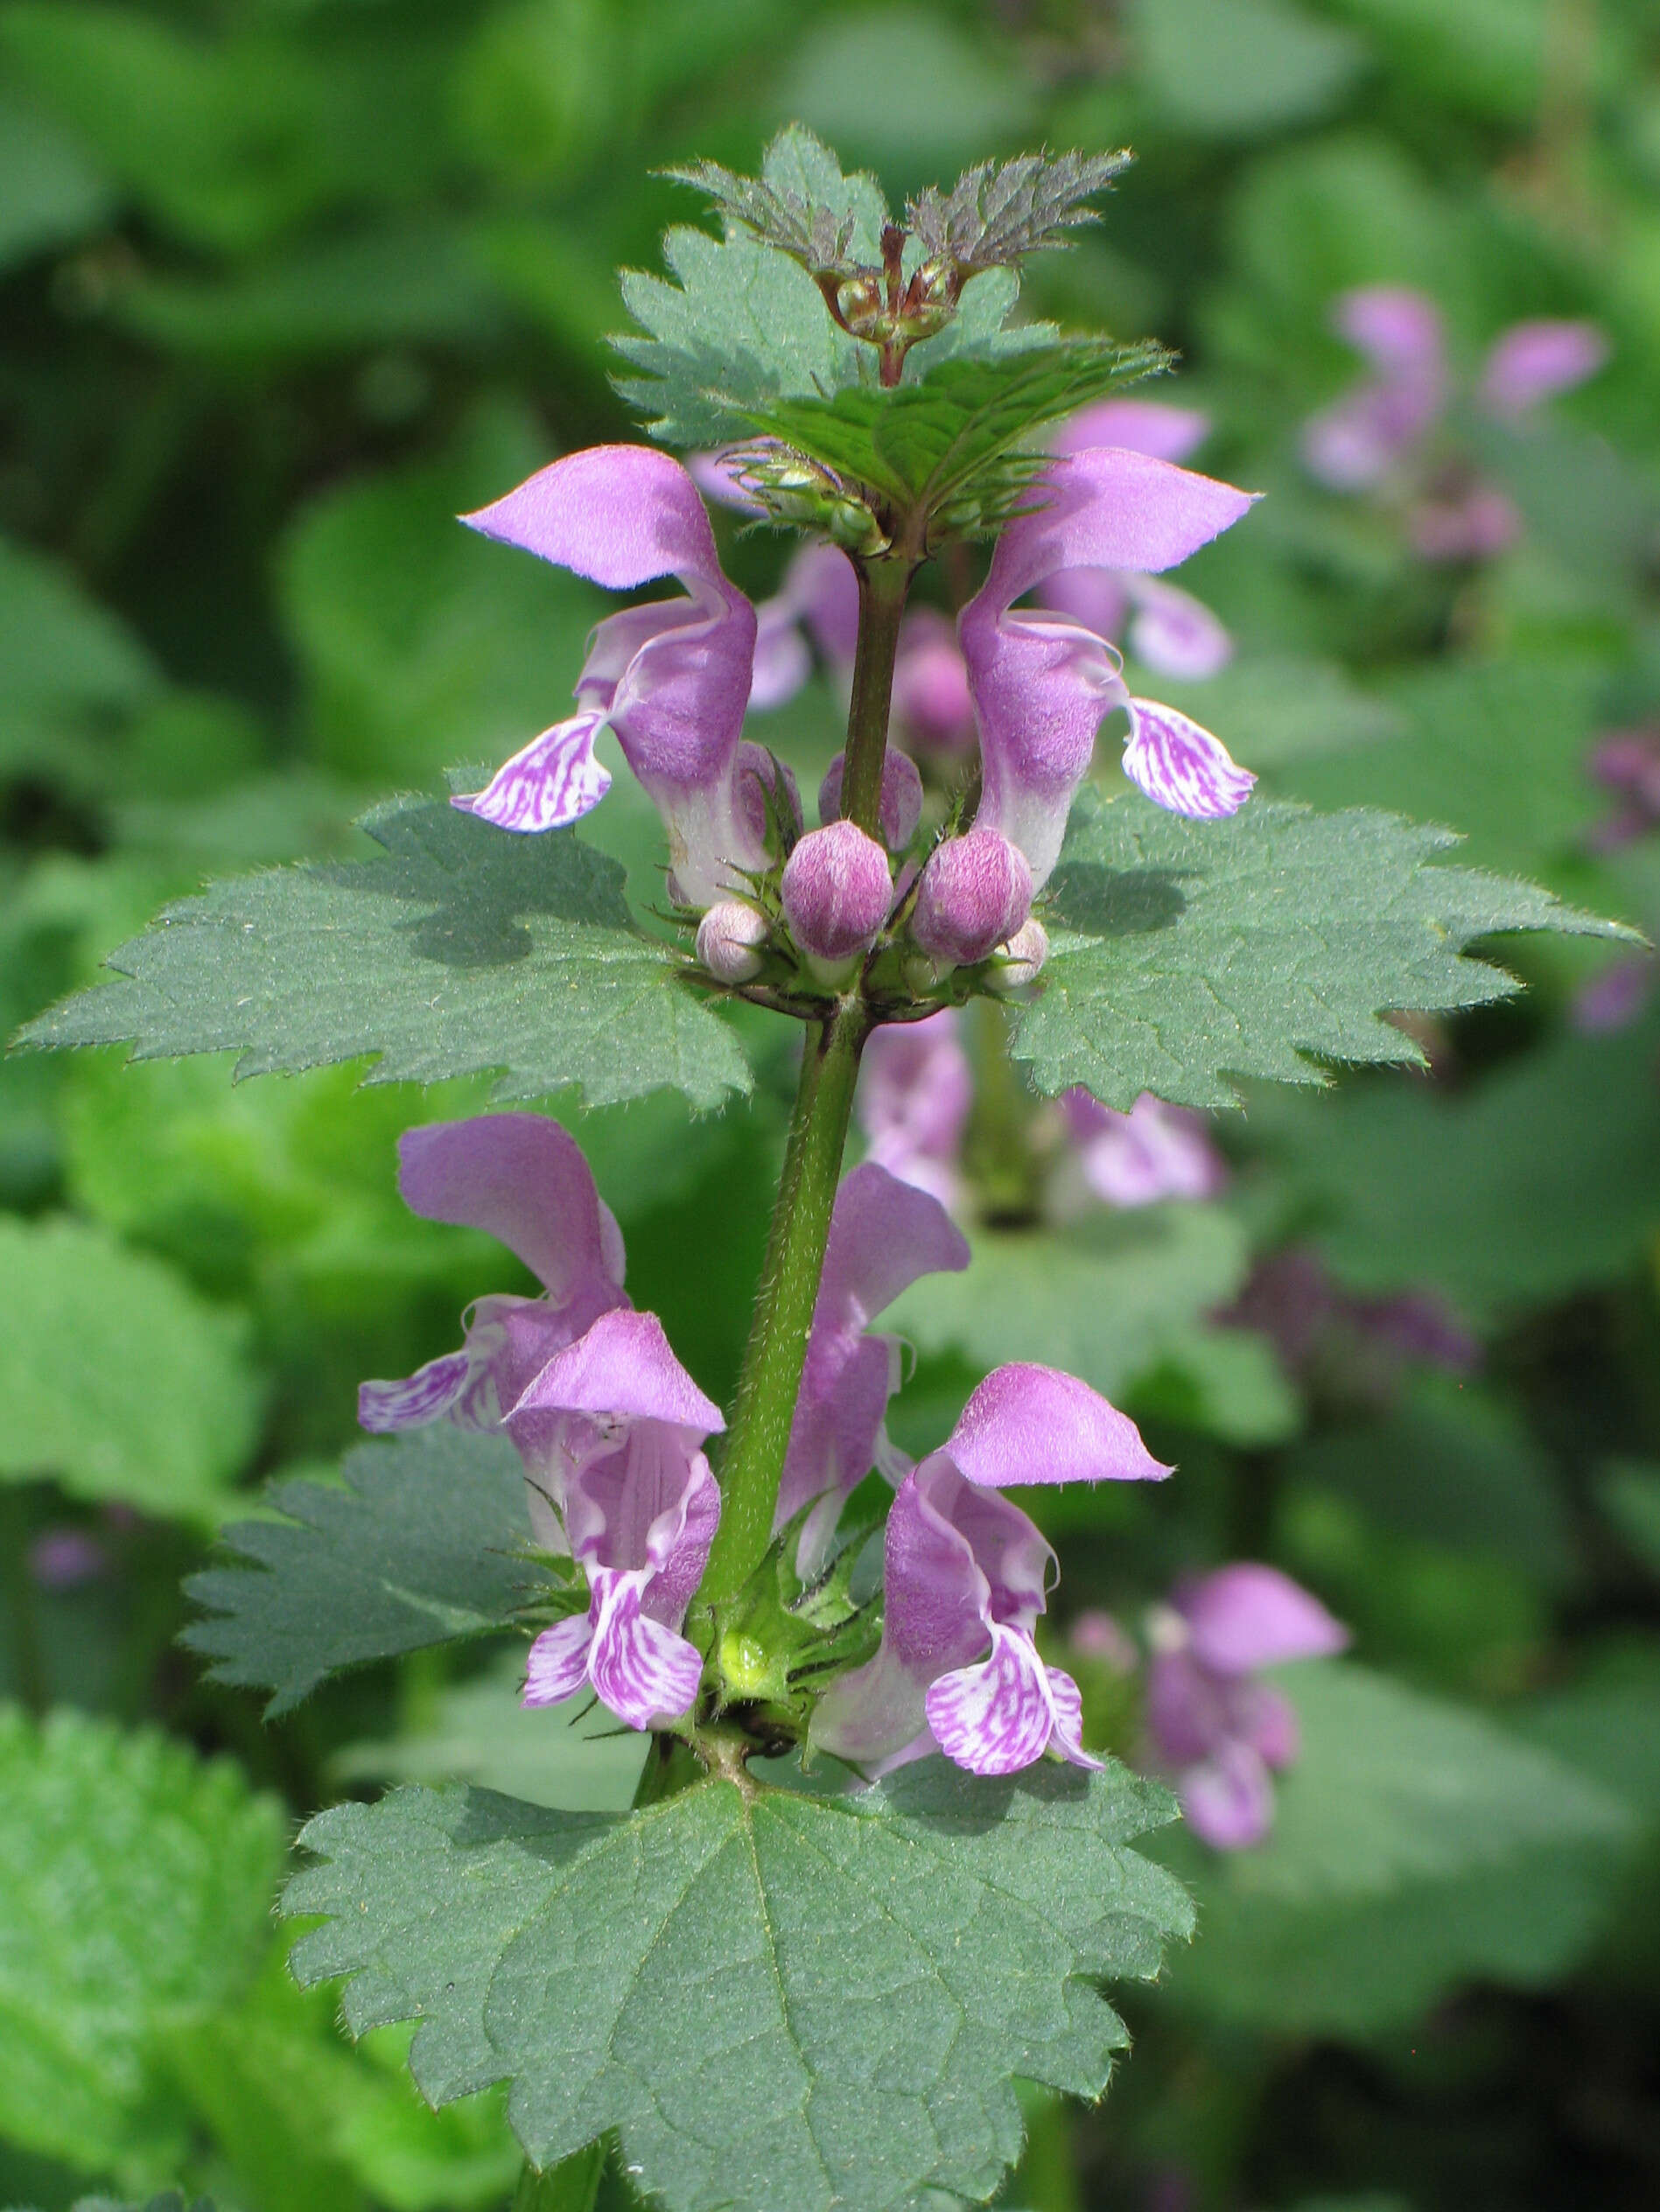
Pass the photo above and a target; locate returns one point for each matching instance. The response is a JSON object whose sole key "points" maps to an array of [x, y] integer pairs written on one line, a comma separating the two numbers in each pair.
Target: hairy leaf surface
{"points": [[1187, 953], [464, 949], [754, 1983], [134, 1886], [117, 1379], [419, 1545], [1415, 1846]]}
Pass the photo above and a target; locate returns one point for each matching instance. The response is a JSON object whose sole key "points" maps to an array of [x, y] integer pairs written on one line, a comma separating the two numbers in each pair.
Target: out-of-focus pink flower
{"points": [[1322, 1332], [1095, 1635], [1218, 1732], [1380, 429], [1613, 999], [1627, 762], [915, 1093], [1153, 1152], [65, 1559]]}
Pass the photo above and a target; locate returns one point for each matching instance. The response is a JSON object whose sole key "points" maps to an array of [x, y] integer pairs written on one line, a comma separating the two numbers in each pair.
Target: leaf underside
{"points": [[1188, 953], [464, 950], [774, 1998], [420, 1544]]}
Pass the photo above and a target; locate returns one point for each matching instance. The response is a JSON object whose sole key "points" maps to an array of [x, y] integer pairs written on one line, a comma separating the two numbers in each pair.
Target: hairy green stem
{"points": [[882, 587], [572, 2186], [777, 1348]]}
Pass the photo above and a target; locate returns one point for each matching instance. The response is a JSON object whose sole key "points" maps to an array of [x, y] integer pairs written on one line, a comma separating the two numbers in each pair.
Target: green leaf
{"points": [[1238, 68], [117, 1379], [463, 950], [1111, 1298], [1188, 953], [66, 664], [1415, 1846], [1539, 1180], [136, 1882], [741, 328], [801, 205], [959, 433], [1280, 708], [767, 1994], [169, 2201], [49, 193], [419, 1545], [999, 211]]}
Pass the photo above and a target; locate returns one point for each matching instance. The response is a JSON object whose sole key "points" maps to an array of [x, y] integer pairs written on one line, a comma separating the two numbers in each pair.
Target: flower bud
{"points": [[1026, 951], [730, 938], [901, 807], [976, 892], [768, 797], [836, 892]]}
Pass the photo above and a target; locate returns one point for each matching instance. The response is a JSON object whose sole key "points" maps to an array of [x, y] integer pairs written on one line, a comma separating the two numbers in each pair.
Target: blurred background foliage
{"points": [[288, 282]]}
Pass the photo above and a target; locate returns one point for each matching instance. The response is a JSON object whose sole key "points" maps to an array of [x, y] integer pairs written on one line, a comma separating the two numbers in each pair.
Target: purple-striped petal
{"points": [[1029, 1424], [425, 1396], [554, 780], [640, 1669], [1180, 766], [994, 1717], [1066, 1704], [558, 1664]]}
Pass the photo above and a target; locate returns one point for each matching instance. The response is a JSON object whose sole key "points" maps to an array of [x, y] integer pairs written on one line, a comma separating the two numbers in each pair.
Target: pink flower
{"points": [[671, 678], [1220, 1733], [1153, 1152], [966, 1576]]}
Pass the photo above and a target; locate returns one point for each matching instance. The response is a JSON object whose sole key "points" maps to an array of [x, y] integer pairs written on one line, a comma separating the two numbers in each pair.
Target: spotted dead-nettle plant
{"points": [[875, 1871]]}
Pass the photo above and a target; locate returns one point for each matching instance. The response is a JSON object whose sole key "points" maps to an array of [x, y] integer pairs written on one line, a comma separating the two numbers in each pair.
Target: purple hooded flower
{"points": [[1042, 684], [1381, 428], [1174, 635], [966, 1576], [915, 1093], [884, 1235], [671, 678], [522, 1180], [1152, 1152], [613, 1427], [1218, 1732], [1627, 762]]}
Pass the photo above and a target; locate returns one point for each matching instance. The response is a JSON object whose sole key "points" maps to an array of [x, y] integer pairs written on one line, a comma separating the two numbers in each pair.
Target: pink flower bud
{"points": [[975, 893], [836, 892], [901, 807], [1026, 951], [730, 937]]}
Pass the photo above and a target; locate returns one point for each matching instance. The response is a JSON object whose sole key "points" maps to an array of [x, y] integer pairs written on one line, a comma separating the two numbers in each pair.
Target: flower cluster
{"points": [[916, 1093], [673, 678], [610, 1428], [1381, 434]]}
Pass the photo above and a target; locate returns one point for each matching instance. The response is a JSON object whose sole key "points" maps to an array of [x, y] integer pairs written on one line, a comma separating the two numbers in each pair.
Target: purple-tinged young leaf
{"points": [[672, 678], [1029, 1424], [975, 892], [1041, 685]]}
